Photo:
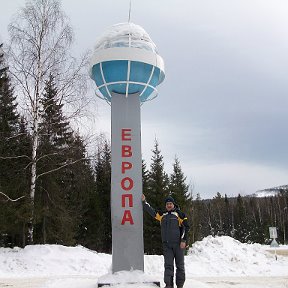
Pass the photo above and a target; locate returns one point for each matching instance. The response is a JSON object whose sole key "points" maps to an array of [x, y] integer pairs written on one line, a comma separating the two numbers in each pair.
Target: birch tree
{"points": [[41, 38]]}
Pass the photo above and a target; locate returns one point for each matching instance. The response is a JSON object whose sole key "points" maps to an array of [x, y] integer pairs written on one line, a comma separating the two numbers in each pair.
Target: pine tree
{"points": [[98, 216], [9, 118], [156, 192], [24, 148], [145, 178], [80, 184], [14, 148], [177, 186], [241, 220], [52, 145], [63, 172], [218, 208], [227, 221]]}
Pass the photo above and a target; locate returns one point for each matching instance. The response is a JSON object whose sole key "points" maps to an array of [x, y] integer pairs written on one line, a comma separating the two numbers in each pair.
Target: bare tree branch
{"points": [[14, 157], [13, 200], [61, 167], [15, 136]]}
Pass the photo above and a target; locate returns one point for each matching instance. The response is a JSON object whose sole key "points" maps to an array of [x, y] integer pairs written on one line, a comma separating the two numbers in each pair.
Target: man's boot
{"points": [[170, 285]]}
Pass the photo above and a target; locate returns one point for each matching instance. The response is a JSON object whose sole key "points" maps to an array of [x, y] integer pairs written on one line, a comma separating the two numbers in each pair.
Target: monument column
{"points": [[126, 69], [126, 184]]}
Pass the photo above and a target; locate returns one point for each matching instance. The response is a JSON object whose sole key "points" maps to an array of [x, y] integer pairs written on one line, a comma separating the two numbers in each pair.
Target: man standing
{"points": [[174, 232]]}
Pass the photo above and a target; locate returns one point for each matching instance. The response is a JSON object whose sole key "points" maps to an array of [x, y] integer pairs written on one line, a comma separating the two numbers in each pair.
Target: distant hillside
{"points": [[274, 191]]}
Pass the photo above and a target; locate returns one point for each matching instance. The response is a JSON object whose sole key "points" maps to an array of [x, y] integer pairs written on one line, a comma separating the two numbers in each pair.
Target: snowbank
{"points": [[213, 256], [47, 260], [225, 256]]}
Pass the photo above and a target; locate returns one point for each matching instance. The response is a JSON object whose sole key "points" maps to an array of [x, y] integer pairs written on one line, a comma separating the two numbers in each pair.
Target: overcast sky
{"points": [[223, 107]]}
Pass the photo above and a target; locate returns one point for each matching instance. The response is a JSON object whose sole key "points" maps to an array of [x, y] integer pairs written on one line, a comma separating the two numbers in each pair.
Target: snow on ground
{"points": [[220, 258], [228, 257]]}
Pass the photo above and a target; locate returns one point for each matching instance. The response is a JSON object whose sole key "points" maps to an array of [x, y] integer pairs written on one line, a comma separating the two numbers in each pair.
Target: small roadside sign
{"points": [[273, 235], [273, 232]]}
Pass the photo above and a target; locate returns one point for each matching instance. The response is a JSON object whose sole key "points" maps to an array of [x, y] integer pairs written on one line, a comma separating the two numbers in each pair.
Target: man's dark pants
{"points": [[171, 252]]}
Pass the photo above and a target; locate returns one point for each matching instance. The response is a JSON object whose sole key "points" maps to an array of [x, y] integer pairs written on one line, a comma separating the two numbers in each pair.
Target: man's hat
{"points": [[170, 199]]}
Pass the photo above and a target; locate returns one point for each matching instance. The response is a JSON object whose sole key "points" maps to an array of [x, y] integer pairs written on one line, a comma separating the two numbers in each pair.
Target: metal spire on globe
{"points": [[127, 70]]}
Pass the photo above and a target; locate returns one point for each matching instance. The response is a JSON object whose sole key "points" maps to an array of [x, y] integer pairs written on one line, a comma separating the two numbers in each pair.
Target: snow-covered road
{"points": [[23, 283], [239, 282], [198, 282]]}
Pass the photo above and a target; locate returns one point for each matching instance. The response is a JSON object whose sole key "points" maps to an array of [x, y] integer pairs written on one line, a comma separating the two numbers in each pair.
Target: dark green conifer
{"points": [[156, 192], [14, 148], [178, 187], [98, 216], [63, 172]]}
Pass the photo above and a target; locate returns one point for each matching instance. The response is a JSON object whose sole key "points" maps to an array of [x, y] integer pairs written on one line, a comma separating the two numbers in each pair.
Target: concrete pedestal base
{"points": [[109, 284], [126, 277]]}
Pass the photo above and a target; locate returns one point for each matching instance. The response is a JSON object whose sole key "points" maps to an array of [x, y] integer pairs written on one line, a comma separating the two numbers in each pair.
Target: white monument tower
{"points": [[126, 69]]}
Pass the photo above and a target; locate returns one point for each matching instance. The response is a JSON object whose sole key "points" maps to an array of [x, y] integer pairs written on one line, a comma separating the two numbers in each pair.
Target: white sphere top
{"points": [[125, 35]]}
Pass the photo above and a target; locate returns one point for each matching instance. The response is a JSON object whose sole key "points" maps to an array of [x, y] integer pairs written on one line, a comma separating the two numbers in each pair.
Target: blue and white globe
{"points": [[126, 62]]}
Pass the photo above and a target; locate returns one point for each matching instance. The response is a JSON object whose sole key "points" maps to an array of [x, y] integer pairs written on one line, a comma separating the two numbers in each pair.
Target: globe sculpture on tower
{"points": [[127, 70], [126, 62]]}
